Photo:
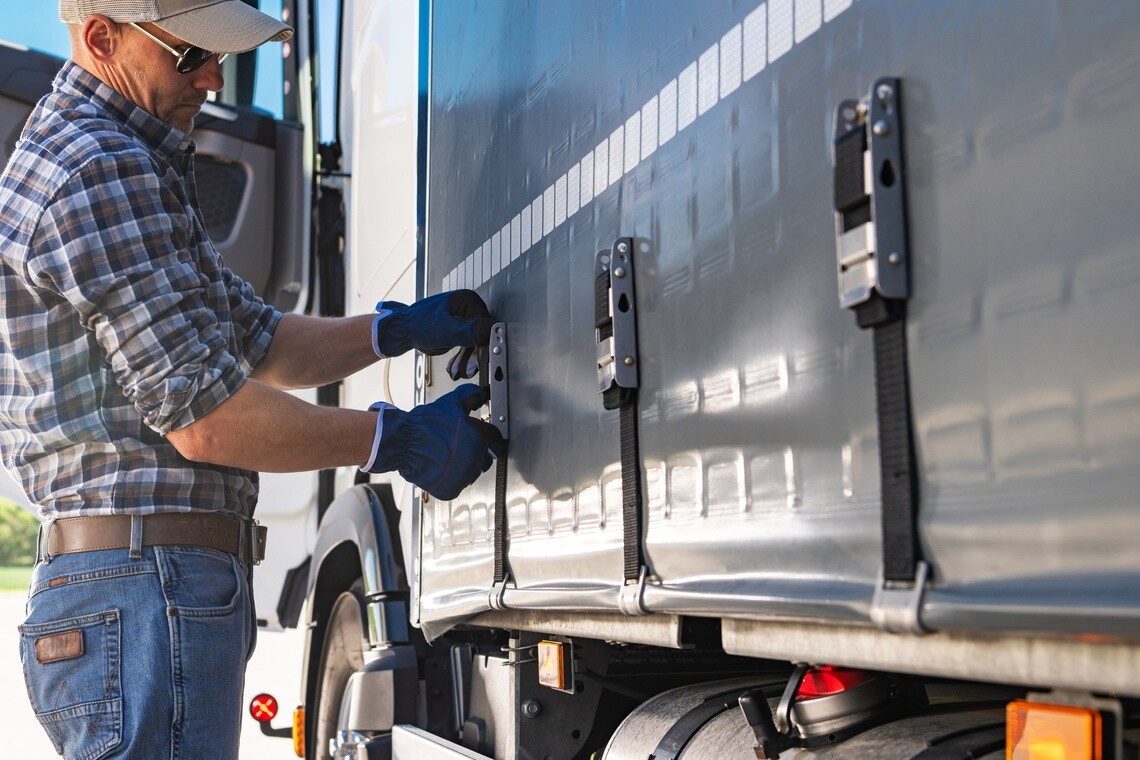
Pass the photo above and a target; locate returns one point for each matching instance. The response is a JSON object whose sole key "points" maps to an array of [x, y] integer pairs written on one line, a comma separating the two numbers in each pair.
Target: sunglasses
{"points": [[190, 59]]}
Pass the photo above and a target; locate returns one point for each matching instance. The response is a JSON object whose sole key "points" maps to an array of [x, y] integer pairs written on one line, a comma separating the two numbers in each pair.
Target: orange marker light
{"points": [[263, 708], [551, 665], [299, 731], [1036, 731]]}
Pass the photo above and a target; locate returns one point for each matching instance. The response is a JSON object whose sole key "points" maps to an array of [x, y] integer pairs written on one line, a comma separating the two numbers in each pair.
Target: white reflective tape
{"points": [[832, 8], [526, 241], [560, 201], [668, 120], [516, 236], [649, 128], [601, 167], [587, 178], [687, 96], [496, 254], [632, 142], [755, 41], [573, 189], [536, 221], [730, 61], [781, 24], [809, 18], [708, 79], [548, 211], [617, 154]]}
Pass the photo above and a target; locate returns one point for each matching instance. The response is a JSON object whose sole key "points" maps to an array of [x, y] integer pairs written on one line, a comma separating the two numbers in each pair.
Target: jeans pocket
{"points": [[209, 610], [201, 583], [72, 671]]}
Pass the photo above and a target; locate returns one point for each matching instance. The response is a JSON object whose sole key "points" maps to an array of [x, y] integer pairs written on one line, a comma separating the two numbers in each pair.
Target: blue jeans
{"points": [[139, 658]]}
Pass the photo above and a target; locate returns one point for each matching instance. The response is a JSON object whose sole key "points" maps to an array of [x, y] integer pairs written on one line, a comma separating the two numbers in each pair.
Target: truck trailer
{"points": [[815, 353]]}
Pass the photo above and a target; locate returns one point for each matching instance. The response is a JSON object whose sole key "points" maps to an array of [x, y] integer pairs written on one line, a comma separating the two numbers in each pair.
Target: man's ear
{"points": [[100, 37]]}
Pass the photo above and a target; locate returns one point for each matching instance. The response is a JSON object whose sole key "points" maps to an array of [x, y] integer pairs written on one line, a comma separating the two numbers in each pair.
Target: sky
{"points": [[36, 24]]}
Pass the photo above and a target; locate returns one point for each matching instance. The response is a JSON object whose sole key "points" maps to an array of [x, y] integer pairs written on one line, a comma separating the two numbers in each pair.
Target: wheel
{"points": [[346, 639]]}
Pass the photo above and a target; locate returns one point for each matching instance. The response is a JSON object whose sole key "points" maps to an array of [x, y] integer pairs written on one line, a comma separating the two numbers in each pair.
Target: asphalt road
{"points": [[275, 668]]}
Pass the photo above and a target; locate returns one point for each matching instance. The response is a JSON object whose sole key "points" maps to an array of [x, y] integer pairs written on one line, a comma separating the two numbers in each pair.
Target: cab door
{"points": [[249, 174]]}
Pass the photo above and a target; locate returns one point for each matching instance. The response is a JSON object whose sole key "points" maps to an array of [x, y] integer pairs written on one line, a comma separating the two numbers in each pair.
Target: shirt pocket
{"points": [[72, 671]]}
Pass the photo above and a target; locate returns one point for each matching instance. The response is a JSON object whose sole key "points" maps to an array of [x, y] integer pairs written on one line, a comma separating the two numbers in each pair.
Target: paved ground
{"points": [[275, 668]]}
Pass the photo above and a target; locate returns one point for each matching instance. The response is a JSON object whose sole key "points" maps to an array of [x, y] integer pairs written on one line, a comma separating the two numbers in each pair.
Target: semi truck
{"points": [[815, 353]]}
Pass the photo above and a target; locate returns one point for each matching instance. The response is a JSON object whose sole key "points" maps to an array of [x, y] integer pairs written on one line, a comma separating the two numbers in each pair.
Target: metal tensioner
{"points": [[870, 201]]}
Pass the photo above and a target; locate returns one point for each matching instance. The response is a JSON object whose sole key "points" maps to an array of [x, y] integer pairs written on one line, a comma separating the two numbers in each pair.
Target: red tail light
{"points": [[827, 680]]}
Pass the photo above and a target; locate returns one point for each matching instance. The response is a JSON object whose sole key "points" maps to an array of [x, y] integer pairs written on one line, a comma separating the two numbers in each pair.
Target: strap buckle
{"points": [[41, 543]]}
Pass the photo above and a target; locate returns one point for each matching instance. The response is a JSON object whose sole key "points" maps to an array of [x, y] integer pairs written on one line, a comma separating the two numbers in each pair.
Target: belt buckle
{"points": [[41, 544], [257, 535]]}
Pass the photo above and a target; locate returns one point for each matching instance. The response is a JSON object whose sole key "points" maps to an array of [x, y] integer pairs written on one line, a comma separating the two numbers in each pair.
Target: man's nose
{"points": [[209, 75]]}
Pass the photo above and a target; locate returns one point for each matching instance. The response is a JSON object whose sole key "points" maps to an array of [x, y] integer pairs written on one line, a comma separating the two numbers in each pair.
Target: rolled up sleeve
{"points": [[254, 321], [126, 259]]}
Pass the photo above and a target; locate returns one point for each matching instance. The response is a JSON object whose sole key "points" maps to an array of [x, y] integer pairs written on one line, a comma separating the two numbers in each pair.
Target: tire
{"points": [[342, 654]]}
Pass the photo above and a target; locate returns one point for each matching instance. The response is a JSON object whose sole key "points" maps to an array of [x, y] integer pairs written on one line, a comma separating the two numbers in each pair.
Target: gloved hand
{"points": [[436, 446], [432, 325]]}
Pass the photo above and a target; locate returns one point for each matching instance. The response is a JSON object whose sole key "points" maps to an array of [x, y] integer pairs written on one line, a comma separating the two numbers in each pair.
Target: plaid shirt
{"points": [[118, 320]]}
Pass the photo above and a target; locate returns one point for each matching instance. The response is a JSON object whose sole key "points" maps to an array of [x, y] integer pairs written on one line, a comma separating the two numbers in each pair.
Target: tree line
{"points": [[18, 531]]}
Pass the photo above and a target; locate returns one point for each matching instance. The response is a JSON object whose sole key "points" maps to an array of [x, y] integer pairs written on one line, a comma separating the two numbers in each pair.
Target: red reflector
{"points": [[263, 708], [827, 680]]}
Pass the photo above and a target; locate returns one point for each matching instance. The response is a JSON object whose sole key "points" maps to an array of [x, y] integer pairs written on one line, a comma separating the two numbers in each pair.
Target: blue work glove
{"points": [[432, 325], [438, 446]]}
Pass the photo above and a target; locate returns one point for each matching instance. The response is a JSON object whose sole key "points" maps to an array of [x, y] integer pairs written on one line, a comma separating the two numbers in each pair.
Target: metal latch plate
{"points": [[617, 347], [872, 253], [497, 378]]}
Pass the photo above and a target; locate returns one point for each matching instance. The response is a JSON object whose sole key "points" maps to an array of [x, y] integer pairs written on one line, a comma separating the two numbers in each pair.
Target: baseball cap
{"points": [[221, 26]]}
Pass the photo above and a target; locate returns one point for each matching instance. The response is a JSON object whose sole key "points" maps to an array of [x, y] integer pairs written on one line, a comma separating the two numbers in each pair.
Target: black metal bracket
{"points": [[616, 324], [872, 254], [497, 378]]}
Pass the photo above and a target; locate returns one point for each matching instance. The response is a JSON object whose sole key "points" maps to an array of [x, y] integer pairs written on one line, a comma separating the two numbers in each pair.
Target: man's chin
{"points": [[182, 125], [179, 119]]}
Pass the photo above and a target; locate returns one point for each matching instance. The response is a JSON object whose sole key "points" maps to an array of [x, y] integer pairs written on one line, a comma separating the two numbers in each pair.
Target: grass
{"points": [[15, 578]]}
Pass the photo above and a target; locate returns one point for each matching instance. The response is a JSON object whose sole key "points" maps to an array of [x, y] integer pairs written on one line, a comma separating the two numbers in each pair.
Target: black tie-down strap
{"points": [[631, 497], [501, 519], [897, 463], [618, 379]]}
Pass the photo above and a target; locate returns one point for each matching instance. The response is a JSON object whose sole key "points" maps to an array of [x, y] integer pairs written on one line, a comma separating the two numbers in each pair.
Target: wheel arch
{"points": [[358, 538]]}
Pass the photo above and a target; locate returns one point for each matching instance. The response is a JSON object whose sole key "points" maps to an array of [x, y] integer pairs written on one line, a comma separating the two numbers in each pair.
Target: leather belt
{"points": [[68, 535]]}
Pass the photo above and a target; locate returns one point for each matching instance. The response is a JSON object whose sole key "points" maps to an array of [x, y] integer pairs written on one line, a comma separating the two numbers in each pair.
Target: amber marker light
{"points": [[299, 731], [551, 665], [1035, 731]]}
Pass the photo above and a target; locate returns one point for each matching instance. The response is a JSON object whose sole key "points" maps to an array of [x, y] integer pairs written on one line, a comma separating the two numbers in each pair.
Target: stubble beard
{"points": [[184, 124]]}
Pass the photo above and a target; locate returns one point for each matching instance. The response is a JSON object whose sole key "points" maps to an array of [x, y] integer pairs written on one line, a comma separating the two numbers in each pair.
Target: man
{"points": [[141, 388]]}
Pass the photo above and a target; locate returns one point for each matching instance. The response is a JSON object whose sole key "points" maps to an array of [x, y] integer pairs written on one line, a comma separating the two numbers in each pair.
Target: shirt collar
{"points": [[73, 80]]}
